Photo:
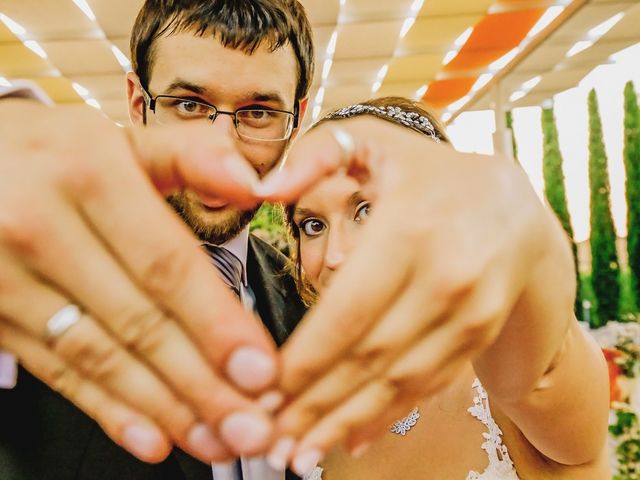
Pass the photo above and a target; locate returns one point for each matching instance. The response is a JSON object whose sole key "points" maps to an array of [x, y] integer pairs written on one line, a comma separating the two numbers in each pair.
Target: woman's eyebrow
{"points": [[356, 197], [303, 211]]}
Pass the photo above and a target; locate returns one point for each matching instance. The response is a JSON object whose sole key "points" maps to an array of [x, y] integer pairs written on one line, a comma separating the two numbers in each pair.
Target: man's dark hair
{"points": [[237, 24]]}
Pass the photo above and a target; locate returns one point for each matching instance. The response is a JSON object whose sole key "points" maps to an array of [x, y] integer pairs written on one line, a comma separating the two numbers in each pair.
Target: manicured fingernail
{"points": [[251, 369], [245, 432], [240, 172], [279, 454], [271, 184], [360, 449], [203, 442], [144, 442], [271, 401], [304, 463]]}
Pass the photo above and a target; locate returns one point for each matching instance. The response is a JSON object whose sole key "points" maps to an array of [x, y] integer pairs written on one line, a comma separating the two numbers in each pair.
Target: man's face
{"points": [[201, 69]]}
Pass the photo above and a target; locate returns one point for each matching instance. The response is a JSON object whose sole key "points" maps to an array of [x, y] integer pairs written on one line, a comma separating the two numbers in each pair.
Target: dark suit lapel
{"points": [[277, 300]]}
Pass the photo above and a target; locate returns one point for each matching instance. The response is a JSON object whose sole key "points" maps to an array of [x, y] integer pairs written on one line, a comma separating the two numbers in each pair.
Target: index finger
{"points": [[162, 255], [339, 321]]}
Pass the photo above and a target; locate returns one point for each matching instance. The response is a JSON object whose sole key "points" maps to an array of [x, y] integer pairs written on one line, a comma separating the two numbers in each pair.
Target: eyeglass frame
{"points": [[151, 103]]}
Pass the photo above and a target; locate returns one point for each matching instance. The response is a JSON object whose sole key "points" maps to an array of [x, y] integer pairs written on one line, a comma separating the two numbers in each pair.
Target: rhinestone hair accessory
{"points": [[412, 120]]}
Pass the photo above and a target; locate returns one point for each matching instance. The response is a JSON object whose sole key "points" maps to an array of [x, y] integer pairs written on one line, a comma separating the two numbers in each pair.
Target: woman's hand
{"points": [[441, 263]]}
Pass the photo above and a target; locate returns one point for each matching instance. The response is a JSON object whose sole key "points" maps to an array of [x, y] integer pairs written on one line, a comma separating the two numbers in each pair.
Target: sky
{"points": [[473, 132]]}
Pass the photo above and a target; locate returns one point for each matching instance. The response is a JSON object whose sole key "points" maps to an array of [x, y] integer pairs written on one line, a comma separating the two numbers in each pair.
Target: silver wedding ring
{"points": [[61, 321], [347, 146]]}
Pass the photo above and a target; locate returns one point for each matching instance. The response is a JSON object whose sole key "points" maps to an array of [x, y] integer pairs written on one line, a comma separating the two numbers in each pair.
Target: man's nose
{"points": [[223, 124]]}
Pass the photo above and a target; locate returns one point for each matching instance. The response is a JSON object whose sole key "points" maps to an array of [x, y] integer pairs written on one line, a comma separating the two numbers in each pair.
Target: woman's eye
{"points": [[362, 212], [312, 227]]}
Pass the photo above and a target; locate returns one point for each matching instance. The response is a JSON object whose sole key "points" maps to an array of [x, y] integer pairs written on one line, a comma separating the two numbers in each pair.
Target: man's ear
{"points": [[302, 106], [135, 99]]}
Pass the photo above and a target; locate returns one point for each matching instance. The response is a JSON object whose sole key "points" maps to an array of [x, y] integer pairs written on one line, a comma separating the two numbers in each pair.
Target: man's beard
{"points": [[216, 227]]}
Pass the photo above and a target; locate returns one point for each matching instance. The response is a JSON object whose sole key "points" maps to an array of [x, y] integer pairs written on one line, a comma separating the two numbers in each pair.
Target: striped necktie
{"points": [[231, 272], [229, 267]]}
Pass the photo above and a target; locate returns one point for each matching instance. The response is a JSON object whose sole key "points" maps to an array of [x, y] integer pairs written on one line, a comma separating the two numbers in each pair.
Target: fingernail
{"points": [[279, 454], [204, 443], [144, 442], [271, 401], [304, 463], [251, 369], [245, 432], [239, 171], [271, 184], [360, 449]]}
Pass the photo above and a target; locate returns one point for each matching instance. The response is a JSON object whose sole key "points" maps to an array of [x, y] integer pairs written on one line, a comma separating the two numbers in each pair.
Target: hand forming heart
{"points": [[447, 258]]}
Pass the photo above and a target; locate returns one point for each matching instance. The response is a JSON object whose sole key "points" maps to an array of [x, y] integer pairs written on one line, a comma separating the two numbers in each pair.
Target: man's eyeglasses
{"points": [[254, 123]]}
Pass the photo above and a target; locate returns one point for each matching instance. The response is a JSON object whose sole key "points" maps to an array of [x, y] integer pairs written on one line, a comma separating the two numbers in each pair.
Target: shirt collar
{"points": [[239, 245]]}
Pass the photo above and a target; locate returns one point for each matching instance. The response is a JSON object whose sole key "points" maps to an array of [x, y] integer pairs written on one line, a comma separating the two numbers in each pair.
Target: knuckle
{"points": [[99, 359], [81, 179], [144, 331], [64, 380], [166, 271], [369, 359], [457, 282], [22, 229]]}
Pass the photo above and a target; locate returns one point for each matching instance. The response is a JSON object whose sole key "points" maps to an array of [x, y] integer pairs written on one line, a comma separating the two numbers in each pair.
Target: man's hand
{"points": [[161, 339], [438, 268]]}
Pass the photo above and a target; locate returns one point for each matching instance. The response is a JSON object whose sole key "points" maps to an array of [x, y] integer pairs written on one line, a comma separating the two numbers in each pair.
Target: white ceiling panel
{"points": [[50, 19], [421, 68], [83, 57], [322, 12], [104, 87], [590, 16], [435, 35], [373, 39], [447, 8], [347, 94], [116, 17], [358, 11], [355, 71]]}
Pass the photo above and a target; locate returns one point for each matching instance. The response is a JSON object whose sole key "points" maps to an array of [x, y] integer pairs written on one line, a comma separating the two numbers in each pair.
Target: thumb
{"points": [[195, 157]]}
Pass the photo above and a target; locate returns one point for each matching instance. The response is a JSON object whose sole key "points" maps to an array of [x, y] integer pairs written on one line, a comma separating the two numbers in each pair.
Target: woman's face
{"points": [[328, 219]]}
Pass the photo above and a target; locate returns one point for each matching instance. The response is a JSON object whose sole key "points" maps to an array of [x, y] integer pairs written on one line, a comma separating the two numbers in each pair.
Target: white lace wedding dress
{"points": [[500, 465]]}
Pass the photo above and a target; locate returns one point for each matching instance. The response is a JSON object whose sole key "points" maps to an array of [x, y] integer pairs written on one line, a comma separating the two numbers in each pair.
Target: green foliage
{"points": [[555, 190], [269, 224], [605, 265], [628, 310], [626, 432], [514, 145], [632, 169]]}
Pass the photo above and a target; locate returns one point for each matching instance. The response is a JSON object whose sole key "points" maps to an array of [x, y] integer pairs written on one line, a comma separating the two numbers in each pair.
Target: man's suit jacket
{"points": [[45, 437]]}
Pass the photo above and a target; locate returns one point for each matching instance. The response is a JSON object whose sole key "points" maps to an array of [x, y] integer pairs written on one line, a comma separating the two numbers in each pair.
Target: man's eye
{"points": [[312, 227], [187, 106], [257, 114], [362, 212], [190, 107]]}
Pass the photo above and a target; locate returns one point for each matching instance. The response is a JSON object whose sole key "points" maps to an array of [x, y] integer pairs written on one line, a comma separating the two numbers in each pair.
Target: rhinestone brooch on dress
{"points": [[401, 427]]}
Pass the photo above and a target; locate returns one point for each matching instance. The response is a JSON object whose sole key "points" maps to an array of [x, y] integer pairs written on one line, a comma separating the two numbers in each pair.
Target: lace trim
{"points": [[315, 474], [500, 465]]}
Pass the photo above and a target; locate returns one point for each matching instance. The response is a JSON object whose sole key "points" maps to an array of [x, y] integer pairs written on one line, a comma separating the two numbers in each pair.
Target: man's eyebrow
{"points": [[180, 84], [266, 97]]}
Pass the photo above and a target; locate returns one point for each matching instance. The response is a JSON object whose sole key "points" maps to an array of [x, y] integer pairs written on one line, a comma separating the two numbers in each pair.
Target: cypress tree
{"points": [[632, 184], [604, 259], [514, 145], [555, 190]]}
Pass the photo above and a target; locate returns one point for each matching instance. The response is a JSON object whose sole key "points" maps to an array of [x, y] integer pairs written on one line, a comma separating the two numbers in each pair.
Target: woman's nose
{"points": [[337, 248]]}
